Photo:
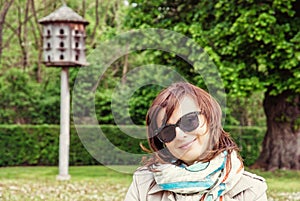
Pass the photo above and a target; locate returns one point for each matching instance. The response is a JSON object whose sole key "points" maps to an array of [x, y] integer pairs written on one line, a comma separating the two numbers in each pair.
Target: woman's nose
{"points": [[180, 133]]}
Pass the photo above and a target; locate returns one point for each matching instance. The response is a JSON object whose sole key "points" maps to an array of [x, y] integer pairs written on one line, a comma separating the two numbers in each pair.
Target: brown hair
{"points": [[168, 100]]}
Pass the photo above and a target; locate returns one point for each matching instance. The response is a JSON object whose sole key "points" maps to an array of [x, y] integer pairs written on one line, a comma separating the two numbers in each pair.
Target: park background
{"points": [[254, 44]]}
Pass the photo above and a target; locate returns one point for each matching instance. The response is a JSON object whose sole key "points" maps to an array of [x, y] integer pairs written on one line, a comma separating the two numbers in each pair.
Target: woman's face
{"points": [[187, 146]]}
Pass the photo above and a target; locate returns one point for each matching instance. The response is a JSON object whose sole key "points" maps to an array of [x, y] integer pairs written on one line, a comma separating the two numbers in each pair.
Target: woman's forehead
{"points": [[184, 106]]}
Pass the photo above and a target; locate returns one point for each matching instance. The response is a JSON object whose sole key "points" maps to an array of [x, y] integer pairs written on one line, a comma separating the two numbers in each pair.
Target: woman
{"points": [[193, 157]]}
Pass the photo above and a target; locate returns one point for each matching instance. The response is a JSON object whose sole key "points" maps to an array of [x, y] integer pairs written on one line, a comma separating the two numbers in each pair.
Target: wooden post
{"points": [[64, 138], [63, 30]]}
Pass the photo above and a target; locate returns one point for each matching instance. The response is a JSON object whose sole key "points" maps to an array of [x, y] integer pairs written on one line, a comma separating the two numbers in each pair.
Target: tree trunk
{"points": [[38, 38], [281, 145], [3, 13]]}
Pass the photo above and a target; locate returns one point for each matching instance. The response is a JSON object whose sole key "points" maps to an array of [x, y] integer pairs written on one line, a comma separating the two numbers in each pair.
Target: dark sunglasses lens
{"points": [[189, 122], [167, 134]]}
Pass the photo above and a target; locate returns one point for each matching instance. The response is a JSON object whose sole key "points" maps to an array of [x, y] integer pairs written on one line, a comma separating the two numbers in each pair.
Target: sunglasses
{"points": [[186, 123]]}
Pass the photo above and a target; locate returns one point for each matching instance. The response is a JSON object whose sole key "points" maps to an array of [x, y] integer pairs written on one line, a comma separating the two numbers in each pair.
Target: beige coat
{"points": [[143, 188]]}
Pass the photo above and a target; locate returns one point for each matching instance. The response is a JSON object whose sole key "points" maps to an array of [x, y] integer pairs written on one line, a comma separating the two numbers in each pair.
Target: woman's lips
{"points": [[187, 145]]}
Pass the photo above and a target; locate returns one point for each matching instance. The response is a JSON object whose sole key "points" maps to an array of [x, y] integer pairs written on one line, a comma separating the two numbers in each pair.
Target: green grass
{"points": [[282, 184], [102, 183], [281, 180], [48, 173], [87, 183]]}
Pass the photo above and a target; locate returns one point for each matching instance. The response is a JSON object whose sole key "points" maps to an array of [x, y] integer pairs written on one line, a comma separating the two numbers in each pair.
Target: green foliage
{"points": [[249, 140], [103, 106], [39, 145], [140, 102], [16, 101], [245, 111], [254, 44], [24, 101], [24, 145], [30, 92]]}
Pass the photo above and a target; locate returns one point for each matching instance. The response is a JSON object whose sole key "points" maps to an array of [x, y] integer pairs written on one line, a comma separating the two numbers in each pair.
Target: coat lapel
{"points": [[157, 192]]}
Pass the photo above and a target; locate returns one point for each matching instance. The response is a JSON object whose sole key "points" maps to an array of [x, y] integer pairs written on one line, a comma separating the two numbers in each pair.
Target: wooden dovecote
{"points": [[64, 38]]}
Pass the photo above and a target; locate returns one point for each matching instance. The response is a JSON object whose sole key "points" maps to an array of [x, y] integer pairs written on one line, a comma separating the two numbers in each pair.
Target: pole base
{"points": [[63, 177]]}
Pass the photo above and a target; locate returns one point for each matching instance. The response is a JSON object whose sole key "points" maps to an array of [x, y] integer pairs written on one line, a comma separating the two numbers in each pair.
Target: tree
{"points": [[3, 12], [21, 51], [256, 46]]}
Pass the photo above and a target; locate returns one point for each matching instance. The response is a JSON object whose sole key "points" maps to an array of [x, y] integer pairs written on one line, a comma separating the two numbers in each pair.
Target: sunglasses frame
{"points": [[177, 124]]}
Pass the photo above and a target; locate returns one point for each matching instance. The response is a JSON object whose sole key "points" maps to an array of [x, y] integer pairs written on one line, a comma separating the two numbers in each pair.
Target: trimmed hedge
{"points": [[39, 145]]}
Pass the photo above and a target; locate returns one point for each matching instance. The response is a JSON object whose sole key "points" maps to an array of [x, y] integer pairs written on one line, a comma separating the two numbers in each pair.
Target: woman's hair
{"points": [[167, 101]]}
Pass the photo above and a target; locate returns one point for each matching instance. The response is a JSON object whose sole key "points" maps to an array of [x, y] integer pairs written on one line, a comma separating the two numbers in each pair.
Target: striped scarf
{"points": [[208, 181]]}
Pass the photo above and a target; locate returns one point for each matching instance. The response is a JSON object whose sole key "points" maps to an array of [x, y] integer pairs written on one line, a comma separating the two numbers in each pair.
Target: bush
{"points": [[249, 140], [39, 145]]}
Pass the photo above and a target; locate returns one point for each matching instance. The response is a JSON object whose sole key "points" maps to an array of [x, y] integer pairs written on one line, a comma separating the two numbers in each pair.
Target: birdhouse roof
{"points": [[63, 14]]}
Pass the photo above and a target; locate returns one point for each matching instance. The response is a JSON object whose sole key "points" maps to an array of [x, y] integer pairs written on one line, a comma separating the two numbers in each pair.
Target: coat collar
{"points": [[250, 180], [241, 186], [154, 188], [245, 183]]}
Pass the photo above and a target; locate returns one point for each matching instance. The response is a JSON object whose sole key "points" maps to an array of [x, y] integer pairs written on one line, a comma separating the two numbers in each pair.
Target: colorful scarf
{"points": [[208, 181]]}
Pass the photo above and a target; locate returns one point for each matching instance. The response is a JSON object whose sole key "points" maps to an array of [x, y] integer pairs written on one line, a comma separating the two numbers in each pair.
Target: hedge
{"points": [[39, 144]]}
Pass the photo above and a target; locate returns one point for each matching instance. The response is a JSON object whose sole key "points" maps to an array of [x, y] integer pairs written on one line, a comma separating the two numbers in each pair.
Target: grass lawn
{"points": [[102, 183], [282, 185]]}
